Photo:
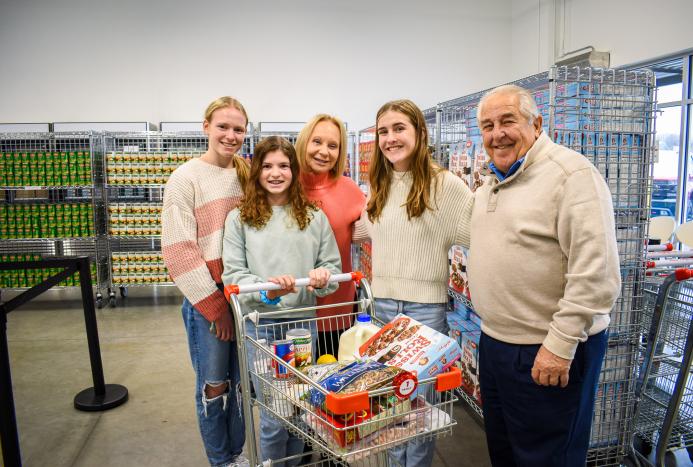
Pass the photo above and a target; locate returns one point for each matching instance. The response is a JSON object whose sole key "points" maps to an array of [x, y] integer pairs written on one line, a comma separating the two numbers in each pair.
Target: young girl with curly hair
{"points": [[277, 235]]}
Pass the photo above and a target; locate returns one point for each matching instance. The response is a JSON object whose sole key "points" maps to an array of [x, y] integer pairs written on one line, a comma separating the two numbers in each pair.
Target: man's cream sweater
{"points": [[410, 256], [543, 264]]}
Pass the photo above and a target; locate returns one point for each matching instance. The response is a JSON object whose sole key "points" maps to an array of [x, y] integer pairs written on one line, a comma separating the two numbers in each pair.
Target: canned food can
{"points": [[303, 346], [283, 349]]}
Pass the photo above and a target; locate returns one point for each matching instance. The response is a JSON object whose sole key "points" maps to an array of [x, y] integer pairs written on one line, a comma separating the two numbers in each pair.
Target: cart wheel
{"points": [[123, 291], [99, 300], [642, 445], [630, 461], [111, 298]]}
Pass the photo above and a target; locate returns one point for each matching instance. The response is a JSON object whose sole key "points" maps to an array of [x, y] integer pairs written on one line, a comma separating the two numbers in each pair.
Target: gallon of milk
{"points": [[355, 337]]}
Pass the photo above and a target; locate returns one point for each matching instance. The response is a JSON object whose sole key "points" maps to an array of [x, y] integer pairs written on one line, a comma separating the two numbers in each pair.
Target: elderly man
{"points": [[544, 275]]}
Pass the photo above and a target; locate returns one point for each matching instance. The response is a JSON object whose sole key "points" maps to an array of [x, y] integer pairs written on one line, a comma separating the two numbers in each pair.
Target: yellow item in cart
{"points": [[326, 358]]}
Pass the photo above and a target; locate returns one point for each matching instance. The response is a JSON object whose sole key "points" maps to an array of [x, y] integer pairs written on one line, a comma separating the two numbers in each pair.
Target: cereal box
{"points": [[458, 271], [407, 344], [469, 364]]}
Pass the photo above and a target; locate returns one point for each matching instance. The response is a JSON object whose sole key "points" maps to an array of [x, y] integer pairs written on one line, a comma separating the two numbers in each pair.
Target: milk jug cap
{"points": [[363, 318]]}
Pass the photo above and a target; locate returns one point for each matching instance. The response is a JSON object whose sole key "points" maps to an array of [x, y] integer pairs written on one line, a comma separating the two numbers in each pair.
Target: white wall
{"points": [[631, 30], [134, 60]]}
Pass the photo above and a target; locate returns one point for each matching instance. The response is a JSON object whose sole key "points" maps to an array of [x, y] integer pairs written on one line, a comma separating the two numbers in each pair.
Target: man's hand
{"points": [[549, 369], [224, 326]]}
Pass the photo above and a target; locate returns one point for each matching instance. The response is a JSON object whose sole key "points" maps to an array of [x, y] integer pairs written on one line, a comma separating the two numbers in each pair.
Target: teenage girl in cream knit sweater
{"points": [[416, 211]]}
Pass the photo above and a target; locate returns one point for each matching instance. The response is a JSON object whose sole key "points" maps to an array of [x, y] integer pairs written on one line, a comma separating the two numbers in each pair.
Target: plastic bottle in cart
{"points": [[355, 337]]}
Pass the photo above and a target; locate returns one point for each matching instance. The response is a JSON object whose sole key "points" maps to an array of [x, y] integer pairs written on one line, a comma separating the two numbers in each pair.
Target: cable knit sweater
{"points": [[197, 198], [543, 264], [410, 256], [342, 202]]}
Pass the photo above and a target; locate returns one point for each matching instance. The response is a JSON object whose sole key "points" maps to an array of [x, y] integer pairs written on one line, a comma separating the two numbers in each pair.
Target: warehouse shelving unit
{"points": [[49, 201], [137, 166], [608, 116]]}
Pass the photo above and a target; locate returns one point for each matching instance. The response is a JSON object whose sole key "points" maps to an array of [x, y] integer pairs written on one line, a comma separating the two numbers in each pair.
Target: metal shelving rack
{"points": [[608, 116], [49, 201], [137, 166]]}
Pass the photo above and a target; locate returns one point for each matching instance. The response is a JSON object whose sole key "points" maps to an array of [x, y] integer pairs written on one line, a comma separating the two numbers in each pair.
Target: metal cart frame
{"points": [[664, 404], [316, 426]]}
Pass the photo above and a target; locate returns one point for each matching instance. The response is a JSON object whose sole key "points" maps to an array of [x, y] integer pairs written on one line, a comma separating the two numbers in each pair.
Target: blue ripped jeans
{"points": [[419, 454], [215, 363]]}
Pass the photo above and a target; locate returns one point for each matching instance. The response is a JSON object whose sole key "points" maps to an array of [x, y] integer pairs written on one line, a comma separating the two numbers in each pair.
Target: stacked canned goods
{"points": [[71, 168], [46, 221], [145, 267], [134, 219], [144, 168], [22, 278]]}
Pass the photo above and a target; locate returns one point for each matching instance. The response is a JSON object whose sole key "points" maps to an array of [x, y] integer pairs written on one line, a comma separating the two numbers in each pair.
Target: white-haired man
{"points": [[544, 275]]}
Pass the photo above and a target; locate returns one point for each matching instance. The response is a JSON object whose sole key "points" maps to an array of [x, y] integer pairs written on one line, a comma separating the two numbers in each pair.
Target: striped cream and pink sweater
{"points": [[197, 198]]}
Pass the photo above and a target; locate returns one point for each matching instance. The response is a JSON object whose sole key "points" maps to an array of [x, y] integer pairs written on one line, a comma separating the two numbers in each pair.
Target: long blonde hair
{"points": [[422, 167], [241, 166], [304, 136], [255, 208]]}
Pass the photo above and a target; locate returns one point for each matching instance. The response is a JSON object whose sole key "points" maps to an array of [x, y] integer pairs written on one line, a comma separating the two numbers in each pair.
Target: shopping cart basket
{"points": [[664, 393], [356, 428]]}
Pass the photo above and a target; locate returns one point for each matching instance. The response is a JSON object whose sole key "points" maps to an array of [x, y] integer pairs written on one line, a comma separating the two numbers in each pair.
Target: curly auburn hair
{"points": [[255, 208]]}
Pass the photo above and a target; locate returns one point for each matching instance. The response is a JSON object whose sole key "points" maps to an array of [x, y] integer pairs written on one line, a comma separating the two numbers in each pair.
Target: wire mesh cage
{"points": [[136, 169], [608, 116], [49, 201]]}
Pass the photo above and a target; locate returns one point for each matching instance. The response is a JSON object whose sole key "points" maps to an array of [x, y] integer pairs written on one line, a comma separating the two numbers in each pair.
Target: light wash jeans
{"points": [[276, 442], [215, 362], [419, 454]]}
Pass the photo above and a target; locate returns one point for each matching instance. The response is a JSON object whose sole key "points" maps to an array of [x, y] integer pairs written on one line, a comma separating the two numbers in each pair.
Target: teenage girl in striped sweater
{"points": [[197, 199], [415, 212]]}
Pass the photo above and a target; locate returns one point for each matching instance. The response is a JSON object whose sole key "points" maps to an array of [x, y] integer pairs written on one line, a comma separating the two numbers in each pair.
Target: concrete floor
{"points": [[144, 348]]}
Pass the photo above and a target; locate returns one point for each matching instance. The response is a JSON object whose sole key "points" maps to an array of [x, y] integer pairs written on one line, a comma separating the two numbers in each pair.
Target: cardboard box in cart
{"points": [[407, 344]]}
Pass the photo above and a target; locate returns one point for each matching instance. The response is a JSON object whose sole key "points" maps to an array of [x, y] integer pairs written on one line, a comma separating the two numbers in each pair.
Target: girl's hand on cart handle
{"points": [[287, 283], [224, 326], [236, 289], [319, 278]]}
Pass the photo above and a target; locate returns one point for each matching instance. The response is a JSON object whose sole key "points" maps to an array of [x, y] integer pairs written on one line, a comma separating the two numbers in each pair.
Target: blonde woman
{"points": [[322, 153], [197, 198]]}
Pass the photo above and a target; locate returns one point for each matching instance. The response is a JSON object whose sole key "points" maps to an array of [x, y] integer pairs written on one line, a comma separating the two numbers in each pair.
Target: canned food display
{"points": [[45, 168], [139, 268], [144, 168], [23, 278], [60, 220], [134, 219]]}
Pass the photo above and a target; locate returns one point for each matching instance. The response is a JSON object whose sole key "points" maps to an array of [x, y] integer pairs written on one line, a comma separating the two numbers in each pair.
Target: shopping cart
{"points": [[355, 428], [664, 393]]}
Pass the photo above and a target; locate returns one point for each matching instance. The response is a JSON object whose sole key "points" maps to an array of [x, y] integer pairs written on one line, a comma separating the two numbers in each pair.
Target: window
{"points": [[672, 196]]}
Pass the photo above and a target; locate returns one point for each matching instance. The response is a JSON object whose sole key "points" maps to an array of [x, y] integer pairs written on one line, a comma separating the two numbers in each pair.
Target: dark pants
{"points": [[531, 425]]}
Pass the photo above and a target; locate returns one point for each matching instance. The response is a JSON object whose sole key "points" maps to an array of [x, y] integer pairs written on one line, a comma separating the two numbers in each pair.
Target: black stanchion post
{"points": [[11, 456], [101, 396]]}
